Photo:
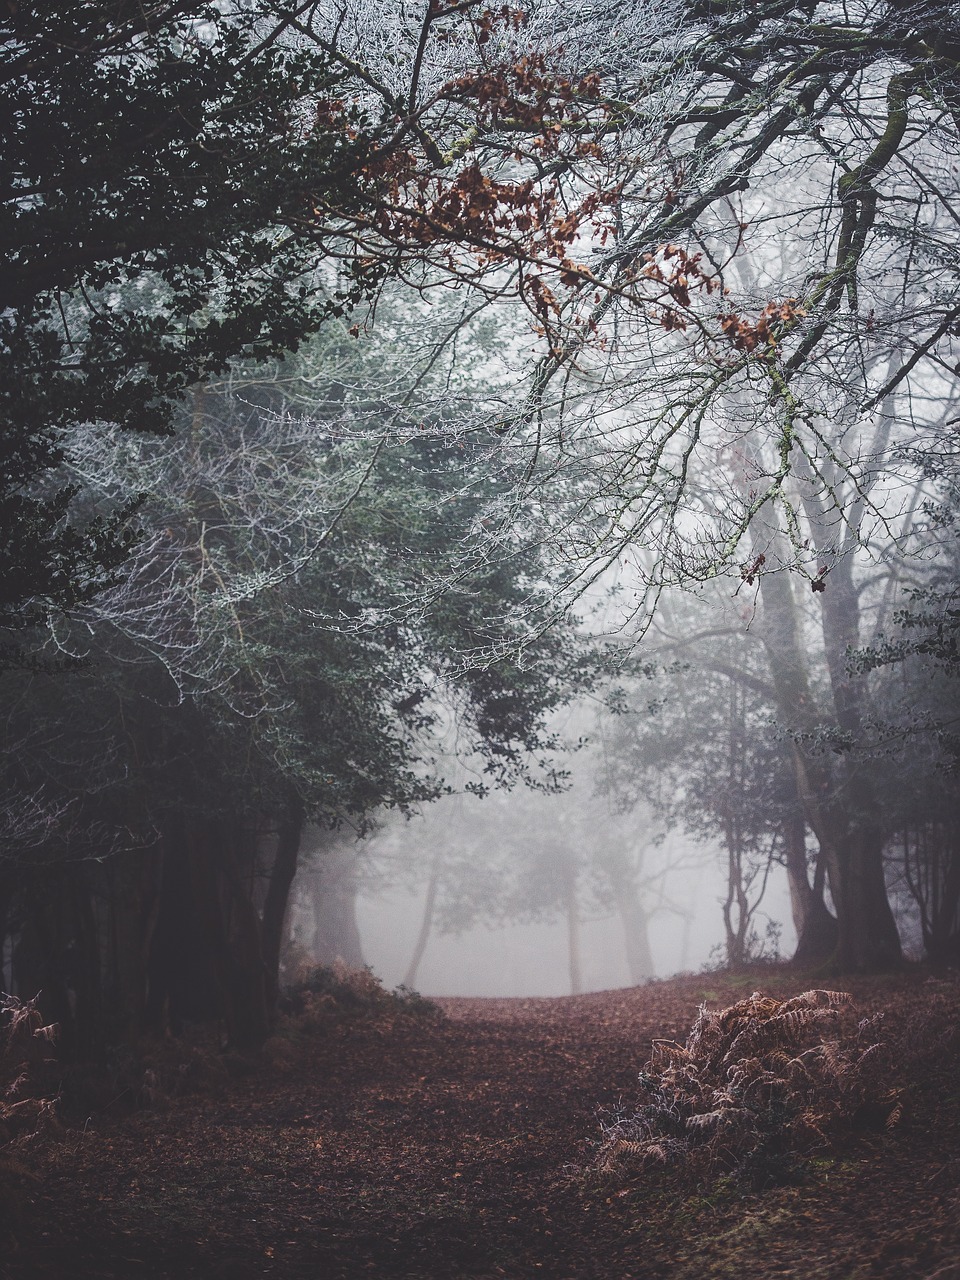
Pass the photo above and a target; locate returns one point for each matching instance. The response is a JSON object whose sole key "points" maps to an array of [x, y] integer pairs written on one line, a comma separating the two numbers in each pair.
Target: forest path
{"points": [[409, 1147]]}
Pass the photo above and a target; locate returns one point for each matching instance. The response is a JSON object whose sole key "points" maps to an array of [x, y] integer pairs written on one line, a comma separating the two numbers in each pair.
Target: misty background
{"points": [[473, 896], [533, 960]]}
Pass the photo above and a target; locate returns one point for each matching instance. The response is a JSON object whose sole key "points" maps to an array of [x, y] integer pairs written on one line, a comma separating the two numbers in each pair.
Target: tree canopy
{"points": [[186, 184]]}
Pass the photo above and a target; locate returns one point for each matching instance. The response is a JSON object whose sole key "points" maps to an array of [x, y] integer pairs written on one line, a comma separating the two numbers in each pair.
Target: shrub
{"points": [[26, 1110], [754, 1087], [336, 989], [26, 1050]]}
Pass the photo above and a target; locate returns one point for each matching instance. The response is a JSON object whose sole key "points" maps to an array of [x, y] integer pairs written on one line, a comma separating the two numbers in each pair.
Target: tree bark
{"points": [[573, 929], [282, 874], [86, 969], [636, 934], [238, 949], [943, 941], [426, 924], [868, 936], [180, 965], [207, 957], [7, 891], [816, 928], [336, 934], [134, 883], [837, 806]]}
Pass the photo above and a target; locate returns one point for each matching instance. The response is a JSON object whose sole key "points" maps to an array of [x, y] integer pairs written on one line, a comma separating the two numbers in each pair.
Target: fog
{"points": [[533, 892], [532, 959]]}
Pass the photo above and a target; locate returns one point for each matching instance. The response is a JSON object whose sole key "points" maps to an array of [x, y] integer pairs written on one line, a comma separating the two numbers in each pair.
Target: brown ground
{"points": [[463, 1147]]}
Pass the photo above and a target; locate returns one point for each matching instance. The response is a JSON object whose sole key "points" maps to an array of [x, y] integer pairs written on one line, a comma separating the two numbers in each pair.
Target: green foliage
{"points": [[280, 627], [158, 160]]}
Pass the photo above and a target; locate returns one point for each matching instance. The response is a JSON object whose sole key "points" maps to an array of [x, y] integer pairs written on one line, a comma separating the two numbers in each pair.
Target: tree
{"points": [[261, 665], [324, 926], [190, 183], [534, 856], [151, 157], [707, 400], [915, 656], [694, 740], [724, 404]]}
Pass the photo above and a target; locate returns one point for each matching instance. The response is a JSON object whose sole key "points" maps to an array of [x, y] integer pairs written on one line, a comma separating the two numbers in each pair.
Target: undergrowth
{"points": [[756, 1087], [153, 1072], [335, 989], [28, 1102], [26, 1051]]}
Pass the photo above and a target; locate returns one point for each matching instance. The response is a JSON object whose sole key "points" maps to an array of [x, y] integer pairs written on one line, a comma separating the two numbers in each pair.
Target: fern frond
{"points": [[818, 999], [706, 1119], [670, 1050], [761, 1076]]}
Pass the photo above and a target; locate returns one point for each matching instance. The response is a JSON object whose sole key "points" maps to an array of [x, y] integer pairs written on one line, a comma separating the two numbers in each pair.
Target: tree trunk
{"points": [[636, 934], [336, 935], [238, 950], [795, 851], [86, 969], [426, 924], [867, 932], [943, 940], [573, 929], [736, 909], [278, 896], [868, 935], [42, 958], [839, 809], [180, 965], [686, 931], [207, 956], [134, 885], [330, 888], [7, 891], [622, 871], [816, 927]]}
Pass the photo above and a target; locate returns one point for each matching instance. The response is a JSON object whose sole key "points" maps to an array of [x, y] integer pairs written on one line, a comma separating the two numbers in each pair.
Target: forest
{"points": [[469, 469]]}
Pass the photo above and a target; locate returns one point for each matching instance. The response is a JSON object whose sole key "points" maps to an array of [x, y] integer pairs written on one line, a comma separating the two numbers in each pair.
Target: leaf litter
{"points": [[478, 1138]]}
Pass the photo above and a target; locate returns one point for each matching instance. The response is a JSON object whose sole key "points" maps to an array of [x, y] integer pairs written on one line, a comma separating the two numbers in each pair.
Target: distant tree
{"points": [[914, 659], [696, 742], [534, 856], [323, 927]]}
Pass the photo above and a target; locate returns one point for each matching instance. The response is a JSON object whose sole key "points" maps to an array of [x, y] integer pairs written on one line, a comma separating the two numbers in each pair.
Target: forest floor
{"points": [[399, 1144]]}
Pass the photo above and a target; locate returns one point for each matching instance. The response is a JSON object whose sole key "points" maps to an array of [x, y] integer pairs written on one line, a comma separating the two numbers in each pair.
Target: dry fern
{"points": [[755, 1085], [26, 1044]]}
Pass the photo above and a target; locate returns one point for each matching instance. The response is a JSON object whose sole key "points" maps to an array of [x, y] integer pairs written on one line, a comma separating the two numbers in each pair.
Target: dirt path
{"points": [[463, 1147]]}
